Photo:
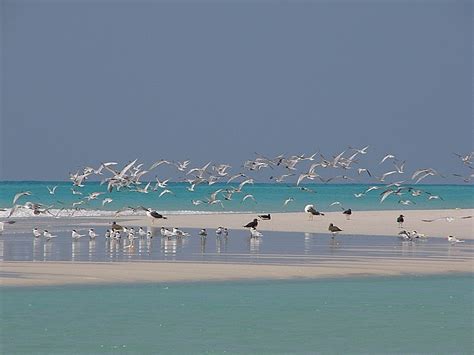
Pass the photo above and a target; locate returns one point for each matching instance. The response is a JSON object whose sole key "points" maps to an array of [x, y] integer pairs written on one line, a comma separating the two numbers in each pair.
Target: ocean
{"points": [[269, 198], [380, 315]]}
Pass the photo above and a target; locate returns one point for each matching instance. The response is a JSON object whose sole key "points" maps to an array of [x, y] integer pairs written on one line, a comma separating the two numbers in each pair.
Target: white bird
{"points": [[75, 192], [254, 233], [203, 232], [166, 191], [166, 232], [454, 240], [106, 200], [36, 233], [179, 233], [141, 232], [288, 200], [20, 194], [359, 195], [219, 231], [52, 190], [249, 196], [388, 156], [75, 235], [149, 235], [48, 236], [92, 234]]}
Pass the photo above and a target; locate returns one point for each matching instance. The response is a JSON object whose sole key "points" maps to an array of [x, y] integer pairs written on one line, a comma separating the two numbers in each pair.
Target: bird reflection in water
{"points": [[254, 245]]}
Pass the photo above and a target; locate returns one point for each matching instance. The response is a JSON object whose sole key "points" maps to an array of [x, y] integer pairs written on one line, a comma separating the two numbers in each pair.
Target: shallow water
{"points": [[431, 314], [273, 247]]}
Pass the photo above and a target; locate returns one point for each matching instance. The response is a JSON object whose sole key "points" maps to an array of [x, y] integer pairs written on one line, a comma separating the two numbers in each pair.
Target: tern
{"points": [[388, 156], [454, 240], [75, 235], [92, 234], [254, 233], [288, 200], [203, 233], [36, 233], [20, 194], [141, 232], [47, 235], [51, 190]]}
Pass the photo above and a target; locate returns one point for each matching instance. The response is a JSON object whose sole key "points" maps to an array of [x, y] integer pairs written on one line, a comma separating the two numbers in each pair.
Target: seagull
{"points": [[36, 233], [149, 235], [400, 220], [254, 233], [75, 235], [334, 229], [51, 190], [265, 217], [348, 213], [288, 200], [92, 234], [252, 224], [20, 194], [47, 235], [311, 211], [454, 240], [2, 225]]}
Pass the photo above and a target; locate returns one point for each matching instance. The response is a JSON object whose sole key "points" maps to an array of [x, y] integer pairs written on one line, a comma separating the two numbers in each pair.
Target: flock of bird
{"points": [[130, 177], [283, 168]]}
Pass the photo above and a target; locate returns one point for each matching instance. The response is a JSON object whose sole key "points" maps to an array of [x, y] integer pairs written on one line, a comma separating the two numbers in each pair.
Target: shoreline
{"points": [[361, 223]]}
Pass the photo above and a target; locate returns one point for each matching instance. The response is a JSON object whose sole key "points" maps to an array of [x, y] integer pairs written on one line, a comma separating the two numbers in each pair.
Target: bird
{"points": [[20, 194], [75, 235], [47, 235], [219, 231], [116, 227], [141, 232], [106, 200], [252, 224], [388, 156], [2, 225], [334, 229], [400, 220], [454, 240], [92, 234], [179, 233], [249, 196], [348, 213], [51, 190], [203, 233], [311, 211], [288, 200], [254, 233], [153, 214], [149, 235], [36, 232], [265, 217], [165, 232]]}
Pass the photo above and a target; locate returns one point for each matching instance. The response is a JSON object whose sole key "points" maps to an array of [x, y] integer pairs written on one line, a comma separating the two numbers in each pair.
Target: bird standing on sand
{"points": [[400, 220], [265, 217], [348, 213], [154, 215], [252, 224], [311, 211], [334, 229]]}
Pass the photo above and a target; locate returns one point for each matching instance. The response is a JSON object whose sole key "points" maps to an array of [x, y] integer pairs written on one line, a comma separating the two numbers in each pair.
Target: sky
{"points": [[90, 81]]}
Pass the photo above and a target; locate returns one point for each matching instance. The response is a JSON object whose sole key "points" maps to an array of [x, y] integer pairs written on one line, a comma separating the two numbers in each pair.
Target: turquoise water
{"points": [[431, 315], [269, 197]]}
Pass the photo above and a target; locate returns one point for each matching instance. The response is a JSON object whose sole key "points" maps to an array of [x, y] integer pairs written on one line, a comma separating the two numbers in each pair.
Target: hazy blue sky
{"points": [[84, 82]]}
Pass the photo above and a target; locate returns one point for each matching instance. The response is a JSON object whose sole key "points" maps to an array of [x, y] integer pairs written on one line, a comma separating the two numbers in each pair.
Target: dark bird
{"points": [[252, 224], [116, 227], [334, 229], [400, 220], [154, 215], [348, 213], [265, 217], [311, 211]]}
